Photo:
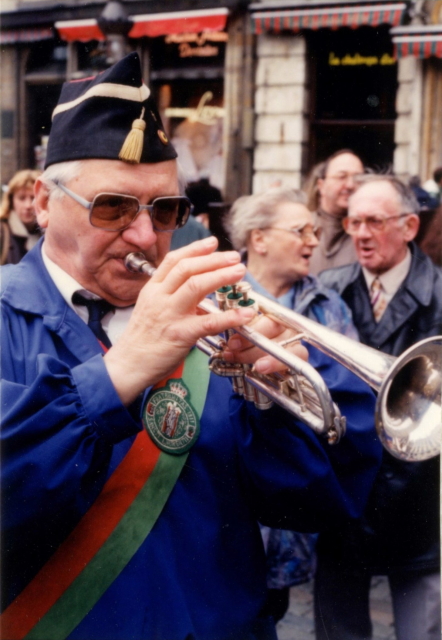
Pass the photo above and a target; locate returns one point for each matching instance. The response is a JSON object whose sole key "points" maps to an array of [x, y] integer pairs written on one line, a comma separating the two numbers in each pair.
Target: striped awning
{"points": [[79, 30], [151, 25], [164, 24], [15, 36], [331, 17], [418, 41]]}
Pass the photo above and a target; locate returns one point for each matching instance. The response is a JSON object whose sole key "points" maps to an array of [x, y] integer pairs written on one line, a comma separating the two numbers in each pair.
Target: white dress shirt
{"points": [[113, 323]]}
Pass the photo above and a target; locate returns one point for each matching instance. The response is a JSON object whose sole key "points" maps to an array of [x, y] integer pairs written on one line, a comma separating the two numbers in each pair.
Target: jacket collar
{"points": [[418, 282], [305, 290], [29, 288]]}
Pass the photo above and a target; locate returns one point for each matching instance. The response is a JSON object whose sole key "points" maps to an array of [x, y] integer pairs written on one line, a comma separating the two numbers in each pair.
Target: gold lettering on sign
{"points": [[187, 51], [356, 59], [197, 44], [197, 38], [387, 59], [204, 113]]}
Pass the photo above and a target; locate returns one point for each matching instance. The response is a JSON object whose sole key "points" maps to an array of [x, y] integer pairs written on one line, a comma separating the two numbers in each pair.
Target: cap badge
{"points": [[162, 136]]}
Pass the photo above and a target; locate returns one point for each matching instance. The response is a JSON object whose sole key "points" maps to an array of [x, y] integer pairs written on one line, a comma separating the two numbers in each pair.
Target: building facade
{"points": [[253, 94], [360, 75]]}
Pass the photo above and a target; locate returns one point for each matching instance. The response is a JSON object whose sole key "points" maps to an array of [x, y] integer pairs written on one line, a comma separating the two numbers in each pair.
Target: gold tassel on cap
{"points": [[133, 145]]}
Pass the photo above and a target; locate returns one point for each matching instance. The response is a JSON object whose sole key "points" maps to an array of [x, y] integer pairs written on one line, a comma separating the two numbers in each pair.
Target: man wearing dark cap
{"points": [[113, 531]]}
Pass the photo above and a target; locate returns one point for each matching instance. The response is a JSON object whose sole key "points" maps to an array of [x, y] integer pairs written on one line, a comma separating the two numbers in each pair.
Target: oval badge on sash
{"points": [[169, 418]]}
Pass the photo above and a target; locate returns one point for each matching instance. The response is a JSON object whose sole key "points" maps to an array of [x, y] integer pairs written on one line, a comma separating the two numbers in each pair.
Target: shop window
{"points": [[186, 77], [353, 81]]}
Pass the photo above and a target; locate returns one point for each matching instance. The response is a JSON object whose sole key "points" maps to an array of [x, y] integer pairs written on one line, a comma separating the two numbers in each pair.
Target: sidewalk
{"points": [[297, 624]]}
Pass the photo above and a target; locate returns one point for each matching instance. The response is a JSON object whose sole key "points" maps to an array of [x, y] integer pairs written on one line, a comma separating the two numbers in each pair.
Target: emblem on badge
{"points": [[170, 419]]}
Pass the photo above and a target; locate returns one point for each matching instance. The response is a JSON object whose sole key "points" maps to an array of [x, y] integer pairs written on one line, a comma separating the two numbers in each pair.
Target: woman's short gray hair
{"points": [[257, 212], [407, 200]]}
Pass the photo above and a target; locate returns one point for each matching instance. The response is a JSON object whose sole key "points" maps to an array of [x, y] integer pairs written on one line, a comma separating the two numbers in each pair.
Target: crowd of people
{"points": [[142, 497]]}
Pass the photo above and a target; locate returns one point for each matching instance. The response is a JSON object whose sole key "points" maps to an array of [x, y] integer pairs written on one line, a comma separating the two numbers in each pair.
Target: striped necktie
{"points": [[377, 299], [97, 309]]}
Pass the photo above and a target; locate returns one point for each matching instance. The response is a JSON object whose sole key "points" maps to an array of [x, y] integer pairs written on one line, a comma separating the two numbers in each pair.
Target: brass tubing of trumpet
{"points": [[408, 406], [370, 364], [136, 262]]}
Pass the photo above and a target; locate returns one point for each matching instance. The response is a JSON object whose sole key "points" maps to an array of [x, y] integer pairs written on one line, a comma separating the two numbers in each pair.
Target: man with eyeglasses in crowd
{"points": [[395, 294], [333, 188], [132, 478]]}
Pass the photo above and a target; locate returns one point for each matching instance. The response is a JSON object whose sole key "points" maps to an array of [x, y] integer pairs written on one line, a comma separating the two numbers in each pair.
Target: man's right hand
{"points": [[165, 323]]}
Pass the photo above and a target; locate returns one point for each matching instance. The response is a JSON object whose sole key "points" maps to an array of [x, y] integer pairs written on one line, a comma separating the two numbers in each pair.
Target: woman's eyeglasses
{"points": [[115, 212], [304, 233]]}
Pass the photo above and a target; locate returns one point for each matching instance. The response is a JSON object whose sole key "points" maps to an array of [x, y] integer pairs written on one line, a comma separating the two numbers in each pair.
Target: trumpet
{"points": [[408, 407]]}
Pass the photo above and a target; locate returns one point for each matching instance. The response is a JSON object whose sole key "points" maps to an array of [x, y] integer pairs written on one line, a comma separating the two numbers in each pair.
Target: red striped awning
{"points": [[79, 30], [151, 25], [26, 35], [162, 24], [419, 41], [334, 17]]}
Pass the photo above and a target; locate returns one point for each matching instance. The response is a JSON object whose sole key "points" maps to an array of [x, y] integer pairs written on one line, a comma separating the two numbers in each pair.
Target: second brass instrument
{"points": [[408, 407]]}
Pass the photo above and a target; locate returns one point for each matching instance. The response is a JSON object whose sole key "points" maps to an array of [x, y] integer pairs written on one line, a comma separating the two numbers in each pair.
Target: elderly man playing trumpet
{"points": [[133, 478]]}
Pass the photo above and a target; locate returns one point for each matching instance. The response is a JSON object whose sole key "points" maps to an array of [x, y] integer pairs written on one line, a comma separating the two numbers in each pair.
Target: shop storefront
{"points": [[185, 60], [344, 79]]}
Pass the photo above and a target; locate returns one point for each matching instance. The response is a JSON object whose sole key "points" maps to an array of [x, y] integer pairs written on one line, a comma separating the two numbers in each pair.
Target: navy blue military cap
{"points": [[111, 116]]}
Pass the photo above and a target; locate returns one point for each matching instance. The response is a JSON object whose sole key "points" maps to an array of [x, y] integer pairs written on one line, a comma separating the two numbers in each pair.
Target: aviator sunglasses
{"points": [[115, 211]]}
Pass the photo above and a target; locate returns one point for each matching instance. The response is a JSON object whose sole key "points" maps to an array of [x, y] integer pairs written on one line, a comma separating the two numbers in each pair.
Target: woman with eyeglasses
{"points": [[276, 235]]}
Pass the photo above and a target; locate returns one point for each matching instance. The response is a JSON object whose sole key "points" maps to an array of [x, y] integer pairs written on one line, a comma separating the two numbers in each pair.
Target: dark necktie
{"points": [[97, 309]]}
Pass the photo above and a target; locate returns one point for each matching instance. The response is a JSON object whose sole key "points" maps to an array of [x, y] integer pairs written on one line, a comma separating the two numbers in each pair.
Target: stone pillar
{"points": [[8, 102], [238, 104], [281, 127], [408, 127]]}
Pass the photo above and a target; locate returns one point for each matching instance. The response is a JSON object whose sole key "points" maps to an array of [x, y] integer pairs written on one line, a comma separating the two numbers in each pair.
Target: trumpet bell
{"points": [[408, 410]]}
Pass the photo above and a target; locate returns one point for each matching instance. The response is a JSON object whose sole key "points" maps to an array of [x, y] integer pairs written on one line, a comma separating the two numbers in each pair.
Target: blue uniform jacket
{"points": [[200, 573]]}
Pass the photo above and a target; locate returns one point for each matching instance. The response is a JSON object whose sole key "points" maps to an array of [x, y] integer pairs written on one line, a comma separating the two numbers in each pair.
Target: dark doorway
{"points": [[353, 82], [42, 100]]}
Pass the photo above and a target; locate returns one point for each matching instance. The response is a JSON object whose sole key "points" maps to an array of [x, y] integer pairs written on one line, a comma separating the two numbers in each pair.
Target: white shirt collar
{"points": [[114, 322], [66, 284], [392, 279]]}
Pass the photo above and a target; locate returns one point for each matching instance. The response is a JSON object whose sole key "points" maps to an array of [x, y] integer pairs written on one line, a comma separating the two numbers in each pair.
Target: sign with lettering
{"points": [[357, 60], [197, 44]]}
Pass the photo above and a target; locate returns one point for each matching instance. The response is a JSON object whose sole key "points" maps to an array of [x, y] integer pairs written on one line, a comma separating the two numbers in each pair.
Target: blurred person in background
{"points": [[194, 229], [18, 224], [427, 201], [276, 234], [202, 194], [434, 185], [310, 186], [395, 294], [334, 185]]}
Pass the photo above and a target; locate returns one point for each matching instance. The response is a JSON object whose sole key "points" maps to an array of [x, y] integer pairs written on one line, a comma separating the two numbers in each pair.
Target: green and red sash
{"points": [[73, 580]]}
